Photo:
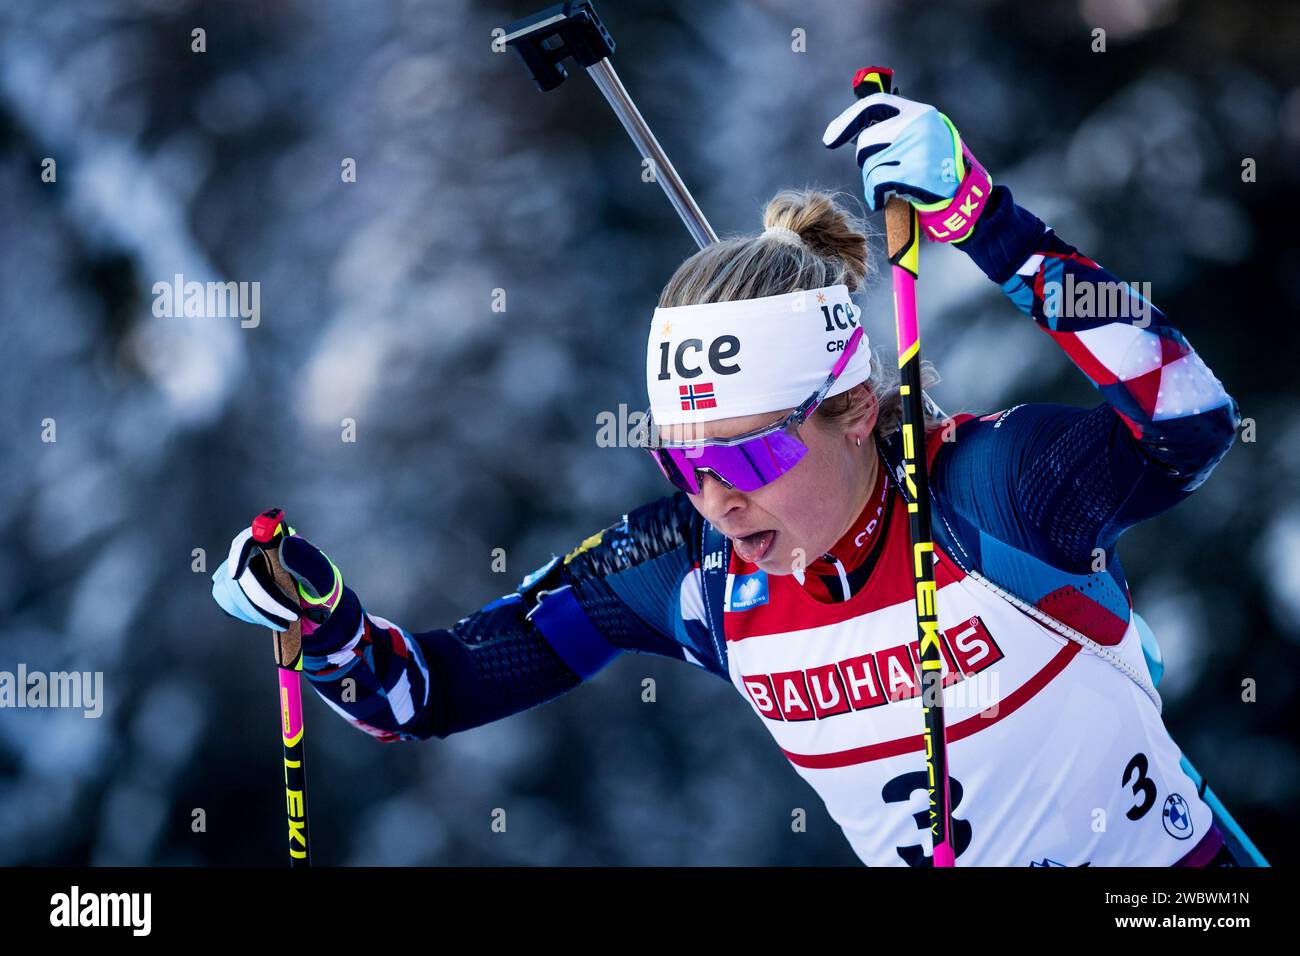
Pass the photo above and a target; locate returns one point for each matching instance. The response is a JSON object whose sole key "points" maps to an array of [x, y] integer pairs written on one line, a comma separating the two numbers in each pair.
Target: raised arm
{"points": [[1075, 479], [1051, 481]]}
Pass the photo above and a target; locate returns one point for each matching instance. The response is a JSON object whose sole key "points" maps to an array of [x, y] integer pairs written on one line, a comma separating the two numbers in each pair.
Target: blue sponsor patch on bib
{"points": [[747, 591]]}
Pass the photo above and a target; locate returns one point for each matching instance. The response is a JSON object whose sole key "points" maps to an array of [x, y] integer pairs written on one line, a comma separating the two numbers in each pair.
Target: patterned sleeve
{"points": [[1145, 369], [1037, 489], [631, 587]]}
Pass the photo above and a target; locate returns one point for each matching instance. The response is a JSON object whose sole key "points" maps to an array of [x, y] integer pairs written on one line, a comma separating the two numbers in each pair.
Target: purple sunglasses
{"points": [[754, 459]]}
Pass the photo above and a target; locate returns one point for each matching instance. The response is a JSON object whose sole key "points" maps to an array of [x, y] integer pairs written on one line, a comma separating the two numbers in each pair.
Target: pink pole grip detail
{"points": [[943, 852], [290, 705], [905, 308], [956, 220]]}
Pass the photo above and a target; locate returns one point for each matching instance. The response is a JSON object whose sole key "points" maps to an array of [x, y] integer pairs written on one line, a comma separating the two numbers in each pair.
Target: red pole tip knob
{"points": [[267, 525], [873, 79]]}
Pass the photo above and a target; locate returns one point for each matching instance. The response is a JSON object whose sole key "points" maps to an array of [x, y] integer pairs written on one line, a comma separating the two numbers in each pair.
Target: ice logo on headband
{"points": [[718, 355], [839, 315], [730, 359]]}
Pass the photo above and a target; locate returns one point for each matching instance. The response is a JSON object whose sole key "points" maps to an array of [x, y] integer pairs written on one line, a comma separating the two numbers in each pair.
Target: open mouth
{"points": [[753, 548]]}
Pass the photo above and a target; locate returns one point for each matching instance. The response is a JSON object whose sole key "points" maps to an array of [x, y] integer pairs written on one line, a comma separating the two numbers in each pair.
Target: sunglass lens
{"points": [[668, 465], [747, 467]]}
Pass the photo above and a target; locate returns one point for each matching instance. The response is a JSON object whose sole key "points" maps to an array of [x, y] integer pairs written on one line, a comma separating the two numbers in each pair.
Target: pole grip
{"points": [[900, 231], [900, 222], [269, 529]]}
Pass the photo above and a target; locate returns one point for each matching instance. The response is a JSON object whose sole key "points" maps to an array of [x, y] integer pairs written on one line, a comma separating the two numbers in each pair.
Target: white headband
{"points": [[727, 359]]}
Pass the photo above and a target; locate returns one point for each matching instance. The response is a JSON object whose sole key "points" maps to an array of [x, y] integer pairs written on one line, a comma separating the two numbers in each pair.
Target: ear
{"points": [[873, 407], [865, 397]]}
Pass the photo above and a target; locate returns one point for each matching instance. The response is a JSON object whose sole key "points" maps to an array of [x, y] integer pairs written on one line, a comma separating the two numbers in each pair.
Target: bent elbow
{"points": [[1192, 447]]}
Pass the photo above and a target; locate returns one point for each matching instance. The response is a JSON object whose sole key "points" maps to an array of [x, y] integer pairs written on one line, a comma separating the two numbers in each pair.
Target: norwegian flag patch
{"points": [[697, 396]]}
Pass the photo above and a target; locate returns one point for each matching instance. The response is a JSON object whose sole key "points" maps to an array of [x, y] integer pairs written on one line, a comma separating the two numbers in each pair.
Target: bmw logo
{"points": [[1177, 817]]}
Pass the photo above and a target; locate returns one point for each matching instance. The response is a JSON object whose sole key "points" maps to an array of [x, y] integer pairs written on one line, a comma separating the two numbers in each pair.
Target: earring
{"points": [[859, 442]]}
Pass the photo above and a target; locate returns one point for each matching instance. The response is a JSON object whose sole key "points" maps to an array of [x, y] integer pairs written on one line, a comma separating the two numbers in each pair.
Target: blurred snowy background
{"points": [[475, 428]]}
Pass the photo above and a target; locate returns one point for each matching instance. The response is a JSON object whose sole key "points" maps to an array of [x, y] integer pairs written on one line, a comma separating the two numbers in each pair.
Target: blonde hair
{"points": [[834, 249]]}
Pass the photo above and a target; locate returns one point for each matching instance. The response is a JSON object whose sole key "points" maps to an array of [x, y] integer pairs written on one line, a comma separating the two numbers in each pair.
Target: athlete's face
{"points": [[793, 520]]}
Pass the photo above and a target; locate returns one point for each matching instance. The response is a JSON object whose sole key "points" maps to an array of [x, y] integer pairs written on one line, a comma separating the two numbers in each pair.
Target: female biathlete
{"points": [[781, 563]]}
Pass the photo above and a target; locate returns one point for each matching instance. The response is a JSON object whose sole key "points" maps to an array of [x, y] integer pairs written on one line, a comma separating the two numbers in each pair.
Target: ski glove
{"points": [[913, 151], [244, 588]]}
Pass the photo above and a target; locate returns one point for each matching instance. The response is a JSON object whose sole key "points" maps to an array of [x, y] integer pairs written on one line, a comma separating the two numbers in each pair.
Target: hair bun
{"points": [[827, 228]]}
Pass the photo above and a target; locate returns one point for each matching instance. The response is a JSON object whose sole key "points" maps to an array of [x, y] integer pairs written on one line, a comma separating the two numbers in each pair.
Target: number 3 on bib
{"points": [[900, 790]]}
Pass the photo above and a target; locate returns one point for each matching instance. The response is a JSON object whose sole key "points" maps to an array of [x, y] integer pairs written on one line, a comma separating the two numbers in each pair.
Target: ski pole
{"points": [[902, 241], [269, 529], [566, 30]]}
